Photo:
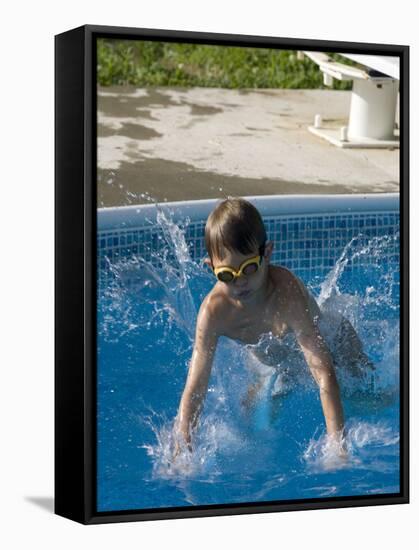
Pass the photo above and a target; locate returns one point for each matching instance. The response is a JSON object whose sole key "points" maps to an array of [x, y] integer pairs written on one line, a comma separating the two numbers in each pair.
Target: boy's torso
{"points": [[247, 323]]}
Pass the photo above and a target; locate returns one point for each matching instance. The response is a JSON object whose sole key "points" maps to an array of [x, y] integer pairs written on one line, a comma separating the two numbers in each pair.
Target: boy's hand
{"points": [[179, 448], [181, 460], [182, 443], [338, 442]]}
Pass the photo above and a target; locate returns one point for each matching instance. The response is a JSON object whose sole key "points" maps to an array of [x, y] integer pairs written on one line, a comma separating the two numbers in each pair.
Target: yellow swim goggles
{"points": [[227, 274]]}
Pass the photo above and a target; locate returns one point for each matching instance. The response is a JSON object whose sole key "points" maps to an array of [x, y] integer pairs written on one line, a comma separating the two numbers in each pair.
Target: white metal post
{"points": [[373, 109]]}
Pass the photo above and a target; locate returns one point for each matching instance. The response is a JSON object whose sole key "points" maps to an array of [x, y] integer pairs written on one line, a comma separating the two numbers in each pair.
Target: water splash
{"points": [[181, 270], [161, 286], [354, 450], [360, 247], [171, 457]]}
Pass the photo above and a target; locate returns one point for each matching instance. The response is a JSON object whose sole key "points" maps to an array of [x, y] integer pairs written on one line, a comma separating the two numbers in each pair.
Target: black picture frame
{"points": [[76, 271]]}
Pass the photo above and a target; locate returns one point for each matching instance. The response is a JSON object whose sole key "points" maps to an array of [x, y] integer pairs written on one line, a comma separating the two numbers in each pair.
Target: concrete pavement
{"points": [[191, 143]]}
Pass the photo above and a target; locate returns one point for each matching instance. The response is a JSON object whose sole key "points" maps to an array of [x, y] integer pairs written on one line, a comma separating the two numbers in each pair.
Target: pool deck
{"points": [[198, 143]]}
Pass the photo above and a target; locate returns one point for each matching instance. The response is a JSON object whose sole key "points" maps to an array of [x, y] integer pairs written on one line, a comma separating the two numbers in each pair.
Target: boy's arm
{"points": [[319, 360], [206, 338]]}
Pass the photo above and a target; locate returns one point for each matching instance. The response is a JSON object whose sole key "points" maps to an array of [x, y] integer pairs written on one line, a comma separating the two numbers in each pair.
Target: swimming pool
{"points": [[150, 284]]}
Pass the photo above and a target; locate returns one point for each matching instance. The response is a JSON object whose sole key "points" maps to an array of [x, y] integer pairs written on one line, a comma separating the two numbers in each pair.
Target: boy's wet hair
{"points": [[235, 224]]}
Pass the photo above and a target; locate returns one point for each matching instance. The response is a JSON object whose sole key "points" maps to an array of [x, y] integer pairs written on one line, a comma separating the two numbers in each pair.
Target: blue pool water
{"points": [[278, 449]]}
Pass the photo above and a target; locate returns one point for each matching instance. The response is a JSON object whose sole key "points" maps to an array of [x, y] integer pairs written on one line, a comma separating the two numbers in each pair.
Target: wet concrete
{"points": [[133, 131], [180, 144], [176, 181], [125, 101]]}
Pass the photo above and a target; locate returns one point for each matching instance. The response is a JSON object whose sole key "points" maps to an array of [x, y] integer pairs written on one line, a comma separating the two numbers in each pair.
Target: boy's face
{"points": [[245, 287]]}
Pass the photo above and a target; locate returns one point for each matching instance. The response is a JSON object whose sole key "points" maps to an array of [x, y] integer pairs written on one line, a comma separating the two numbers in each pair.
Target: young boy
{"points": [[252, 298]]}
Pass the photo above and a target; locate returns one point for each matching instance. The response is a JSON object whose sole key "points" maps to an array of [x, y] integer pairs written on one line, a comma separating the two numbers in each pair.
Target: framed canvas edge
{"points": [[243, 40], [87, 512], [70, 288], [404, 271], [238, 509]]}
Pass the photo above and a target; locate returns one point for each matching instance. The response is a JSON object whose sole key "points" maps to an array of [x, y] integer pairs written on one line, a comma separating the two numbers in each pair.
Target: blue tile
{"points": [[301, 243]]}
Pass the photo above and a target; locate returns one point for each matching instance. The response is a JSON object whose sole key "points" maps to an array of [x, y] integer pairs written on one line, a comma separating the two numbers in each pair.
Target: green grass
{"points": [[148, 63]]}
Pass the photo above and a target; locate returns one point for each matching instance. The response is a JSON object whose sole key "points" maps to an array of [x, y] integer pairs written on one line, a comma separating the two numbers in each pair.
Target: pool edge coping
{"points": [[137, 215]]}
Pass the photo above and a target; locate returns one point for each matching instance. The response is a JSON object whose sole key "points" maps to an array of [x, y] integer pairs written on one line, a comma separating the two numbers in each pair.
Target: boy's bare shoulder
{"points": [[283, 278], [215, 307], [289, 287]]}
